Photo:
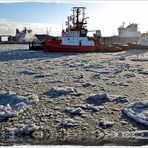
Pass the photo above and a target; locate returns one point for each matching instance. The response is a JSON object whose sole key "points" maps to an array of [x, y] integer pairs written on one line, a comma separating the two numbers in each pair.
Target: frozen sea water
{"points": [[24, 70]]}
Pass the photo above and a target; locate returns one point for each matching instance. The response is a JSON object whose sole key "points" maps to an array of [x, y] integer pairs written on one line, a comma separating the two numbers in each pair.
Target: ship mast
{"points": [[79, 20]]}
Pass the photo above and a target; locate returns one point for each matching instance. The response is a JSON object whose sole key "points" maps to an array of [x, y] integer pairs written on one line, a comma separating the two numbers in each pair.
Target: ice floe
{"points": [[143, 71], [61, 91], [29, 72], [42, 75], [100, 71], [88, 84], [138, 112], [139, 59], [11, 104], [109, 68], [55, 81], [120, 99], [129, 75], [74, 111], [138, 134], [115, 83], [98, 99], [67, 123], [19, 130], [36, 73], [106, 124], [90, 107]]}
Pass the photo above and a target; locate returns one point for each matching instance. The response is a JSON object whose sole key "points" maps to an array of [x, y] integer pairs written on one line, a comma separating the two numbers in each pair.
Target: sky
{"points": [[39, 15]]}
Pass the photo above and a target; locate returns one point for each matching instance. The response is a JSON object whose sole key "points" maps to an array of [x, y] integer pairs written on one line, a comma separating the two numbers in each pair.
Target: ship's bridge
{"points": [[71, 34]]}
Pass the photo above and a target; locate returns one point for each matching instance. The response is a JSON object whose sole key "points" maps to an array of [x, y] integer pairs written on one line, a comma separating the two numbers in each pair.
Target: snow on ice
{"points": [[67, 123], [138, 112], [60, 91], [74, 111], [98, 99], [18, 131], [11, 104]]}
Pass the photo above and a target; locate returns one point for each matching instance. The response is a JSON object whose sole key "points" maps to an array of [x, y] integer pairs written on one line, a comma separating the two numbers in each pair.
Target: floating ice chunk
{"points": [[138, 134], [139, 59], [72, 65], [42, 75], [106, 71], [19, 131], [90, 107], [4, 115], [33, 98], [138, 112], [98, 99], [26, 129], [129, 75], [122, 58], [7, 133], [59, 91], [29, 72], [100, 71], [120, 99], [123, 84], [106, 124], [88, 66], [55, 81], [117, 70], [74, 111], [88, 84], [143, 71], [113, 83], [11, 104], [67, 123]]}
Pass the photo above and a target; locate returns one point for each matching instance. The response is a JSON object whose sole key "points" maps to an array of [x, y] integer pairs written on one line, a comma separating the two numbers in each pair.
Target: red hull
{"points": [[56, 46]]}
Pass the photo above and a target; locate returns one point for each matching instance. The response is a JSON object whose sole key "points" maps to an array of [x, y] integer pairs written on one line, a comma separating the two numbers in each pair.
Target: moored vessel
{"points": [[142, 43], [130, 31], [74, 37]]}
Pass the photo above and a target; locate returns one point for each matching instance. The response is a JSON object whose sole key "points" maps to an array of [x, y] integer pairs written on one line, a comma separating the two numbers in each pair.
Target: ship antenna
{"points": [[123, 24], [62, 23], [47, 30]]}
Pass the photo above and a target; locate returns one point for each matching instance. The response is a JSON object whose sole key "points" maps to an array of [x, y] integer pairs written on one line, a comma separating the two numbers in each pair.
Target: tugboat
{"points": [[74, 37]]}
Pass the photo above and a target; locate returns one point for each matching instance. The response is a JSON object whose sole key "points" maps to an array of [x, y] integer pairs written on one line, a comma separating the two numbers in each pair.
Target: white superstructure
{"points": [[24, 36], [74, 38], [130, 31], [76, 31]]}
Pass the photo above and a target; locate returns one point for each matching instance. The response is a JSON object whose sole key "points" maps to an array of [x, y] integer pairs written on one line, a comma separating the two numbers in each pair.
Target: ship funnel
{"points": [[98, 32]]}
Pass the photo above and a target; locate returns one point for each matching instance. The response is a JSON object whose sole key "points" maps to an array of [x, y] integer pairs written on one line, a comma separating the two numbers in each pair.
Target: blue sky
{"points": [[34, 12], [46, 14], [104, 15]]}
